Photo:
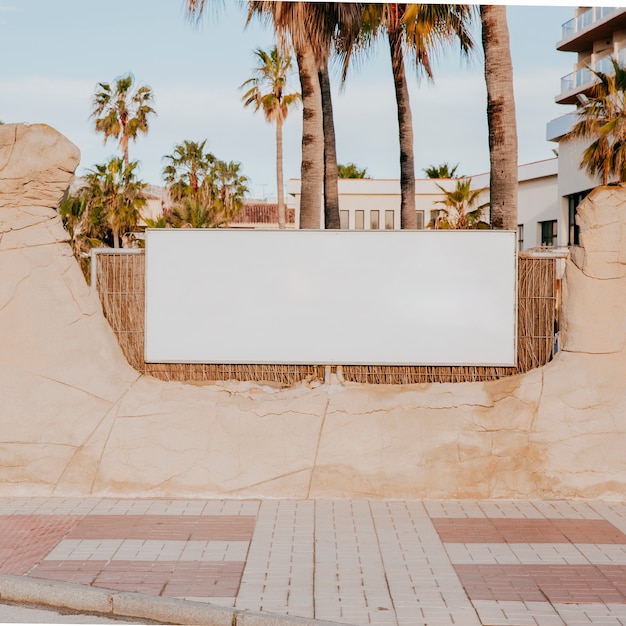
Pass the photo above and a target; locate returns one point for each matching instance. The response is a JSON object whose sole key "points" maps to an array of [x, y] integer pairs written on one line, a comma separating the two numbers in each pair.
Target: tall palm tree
{"points": [[500, 117], [603, 119], [311, 28], [419, 30], [114, 191], [188, 166], [121, 111], [266, 90]]}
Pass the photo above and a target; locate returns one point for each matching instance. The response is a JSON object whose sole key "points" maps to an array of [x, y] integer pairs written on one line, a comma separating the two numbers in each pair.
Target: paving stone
{"points": [[349, 561]]}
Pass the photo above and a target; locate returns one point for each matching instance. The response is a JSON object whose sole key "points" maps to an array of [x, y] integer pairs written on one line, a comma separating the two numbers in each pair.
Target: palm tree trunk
{"points": [[331, 189], [500, 117], [124, 145], [408, 216], [312, 169], [279, 173]]}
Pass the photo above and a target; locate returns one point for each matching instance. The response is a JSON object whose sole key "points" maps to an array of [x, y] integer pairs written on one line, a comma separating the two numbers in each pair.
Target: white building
{"points": [[596, 34], [374, 204]]}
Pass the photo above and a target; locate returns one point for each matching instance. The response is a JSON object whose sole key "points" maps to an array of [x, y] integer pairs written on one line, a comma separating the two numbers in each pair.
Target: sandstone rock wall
{"points": [[75, 419]]}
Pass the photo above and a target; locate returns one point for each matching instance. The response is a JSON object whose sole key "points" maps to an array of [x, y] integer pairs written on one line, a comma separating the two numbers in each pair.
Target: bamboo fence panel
{"points": [[120, 284]]}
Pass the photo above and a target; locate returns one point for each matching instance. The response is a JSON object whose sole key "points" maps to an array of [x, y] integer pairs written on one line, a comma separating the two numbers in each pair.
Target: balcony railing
{"points": [[584, 20], [584, 77]]}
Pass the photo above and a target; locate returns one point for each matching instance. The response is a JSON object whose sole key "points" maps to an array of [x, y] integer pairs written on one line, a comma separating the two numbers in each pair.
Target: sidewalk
{"points": [[346, 561]]}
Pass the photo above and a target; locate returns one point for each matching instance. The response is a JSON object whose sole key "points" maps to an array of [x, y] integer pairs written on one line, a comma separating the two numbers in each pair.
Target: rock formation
{"points": [[76, 419]]}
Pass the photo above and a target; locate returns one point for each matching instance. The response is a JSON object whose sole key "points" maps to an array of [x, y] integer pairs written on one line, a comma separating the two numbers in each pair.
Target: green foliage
{"points": [[460, 210], [205, 191], [445, 170], [121, 112], [266, 89], [603, 119], [350, 170], [114, 197], [159, 222], [189, 166]]}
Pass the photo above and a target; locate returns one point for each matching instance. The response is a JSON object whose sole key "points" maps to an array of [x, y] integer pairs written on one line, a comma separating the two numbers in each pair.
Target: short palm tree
{"points": [[228, 188], [122, 111], [187, 167], [351, 170], [459, 208], [603, 119], [193, 212], [445, 170], [266, 90], [114, 192]]}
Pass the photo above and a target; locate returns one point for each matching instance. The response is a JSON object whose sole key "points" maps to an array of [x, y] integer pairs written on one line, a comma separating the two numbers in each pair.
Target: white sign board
{"points": [[331, 297]]}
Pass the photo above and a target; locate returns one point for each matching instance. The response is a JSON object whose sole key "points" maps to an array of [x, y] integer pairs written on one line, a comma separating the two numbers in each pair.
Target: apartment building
{"points": [[596, 35]]}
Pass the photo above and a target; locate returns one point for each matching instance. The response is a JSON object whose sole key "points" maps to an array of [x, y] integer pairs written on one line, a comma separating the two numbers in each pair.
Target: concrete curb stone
{"points": [[122, 604]]}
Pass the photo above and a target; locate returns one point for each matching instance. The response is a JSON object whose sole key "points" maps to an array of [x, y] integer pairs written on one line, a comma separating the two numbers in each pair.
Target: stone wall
{"points": [[76, 419]]}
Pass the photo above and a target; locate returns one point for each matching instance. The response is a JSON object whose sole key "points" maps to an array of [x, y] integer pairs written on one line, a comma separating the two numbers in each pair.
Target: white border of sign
{"points": [[331, 297]]}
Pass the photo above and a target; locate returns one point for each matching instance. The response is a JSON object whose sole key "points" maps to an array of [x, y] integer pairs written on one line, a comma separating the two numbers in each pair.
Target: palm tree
{"points": [[206, 192], [603, 119], [192, 213], [188, 166], [419, 29], [350, 170], [445, 170], [266, 90], [122, 112], [228, 187], [311, 28], [114, 192], [500, 117], [460, 210]]}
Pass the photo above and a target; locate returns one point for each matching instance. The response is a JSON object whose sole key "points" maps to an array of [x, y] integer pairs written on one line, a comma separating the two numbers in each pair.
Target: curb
{"points": [[84, 599]]}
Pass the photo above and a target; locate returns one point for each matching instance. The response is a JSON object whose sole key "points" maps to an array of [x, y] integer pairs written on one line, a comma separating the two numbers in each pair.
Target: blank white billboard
{"points": [[331, 297]]}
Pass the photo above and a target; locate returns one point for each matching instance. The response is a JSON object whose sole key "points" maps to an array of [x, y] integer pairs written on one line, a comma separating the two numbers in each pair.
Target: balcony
{"points": [[583, 79], [579, 33]]}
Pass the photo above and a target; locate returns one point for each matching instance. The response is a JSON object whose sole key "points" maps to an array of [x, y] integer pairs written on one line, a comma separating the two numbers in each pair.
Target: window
{"points": [[420, 219], [573, 238], [549, 233], [359, 220], [434, 214], [344, 220], [520, 237], [389, 220], [374, 220]]}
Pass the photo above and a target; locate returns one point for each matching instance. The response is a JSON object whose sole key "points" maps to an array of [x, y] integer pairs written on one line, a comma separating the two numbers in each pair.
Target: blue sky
{"points": [[56, 51]]}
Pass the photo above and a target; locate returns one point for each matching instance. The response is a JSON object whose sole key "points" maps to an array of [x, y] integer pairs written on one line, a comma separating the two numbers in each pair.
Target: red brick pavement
{"points": [[165, 527], [26, 539], [525, 530], [558, 584]]}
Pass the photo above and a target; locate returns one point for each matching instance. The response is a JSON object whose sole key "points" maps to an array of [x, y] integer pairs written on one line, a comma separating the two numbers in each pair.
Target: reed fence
{"points": [[119, 279]]}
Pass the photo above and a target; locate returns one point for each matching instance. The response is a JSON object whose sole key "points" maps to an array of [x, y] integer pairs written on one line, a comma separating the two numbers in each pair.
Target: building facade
{"points": [[597, 35], [374, 204]]}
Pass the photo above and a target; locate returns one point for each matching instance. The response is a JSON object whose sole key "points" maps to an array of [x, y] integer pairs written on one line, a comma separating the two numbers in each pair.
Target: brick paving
{"points": [[396, 563]]}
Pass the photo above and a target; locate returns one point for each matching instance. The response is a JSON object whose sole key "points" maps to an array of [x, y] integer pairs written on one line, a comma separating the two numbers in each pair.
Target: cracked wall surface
{"points": [[77, 420]]}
